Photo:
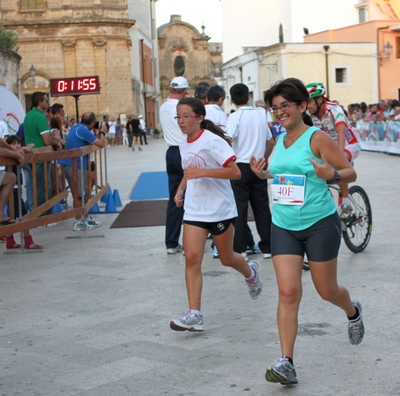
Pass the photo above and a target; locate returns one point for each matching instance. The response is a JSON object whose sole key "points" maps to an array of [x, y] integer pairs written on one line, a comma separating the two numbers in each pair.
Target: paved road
{"points": [[89, 317]]}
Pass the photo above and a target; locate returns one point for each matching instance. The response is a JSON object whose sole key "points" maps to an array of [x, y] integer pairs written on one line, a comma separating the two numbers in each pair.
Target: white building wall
{"points": [[256, 23]]}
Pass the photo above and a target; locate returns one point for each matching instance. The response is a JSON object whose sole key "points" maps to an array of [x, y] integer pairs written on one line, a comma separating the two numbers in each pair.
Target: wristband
{"points": [[335, 179]]}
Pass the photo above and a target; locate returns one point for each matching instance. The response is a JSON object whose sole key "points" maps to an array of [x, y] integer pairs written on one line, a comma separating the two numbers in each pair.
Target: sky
{"points": [[194, 12]]}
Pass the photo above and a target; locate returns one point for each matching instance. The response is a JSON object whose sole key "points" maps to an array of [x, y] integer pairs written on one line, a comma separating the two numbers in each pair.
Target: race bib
{"points": [[288, 189]]}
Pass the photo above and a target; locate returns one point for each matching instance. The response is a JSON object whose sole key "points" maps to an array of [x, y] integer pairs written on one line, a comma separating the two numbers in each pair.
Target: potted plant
{"points": [[156, 133]]}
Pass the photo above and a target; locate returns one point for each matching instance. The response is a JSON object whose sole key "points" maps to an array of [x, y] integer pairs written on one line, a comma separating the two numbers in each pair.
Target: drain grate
{"points": [[312, 329]]}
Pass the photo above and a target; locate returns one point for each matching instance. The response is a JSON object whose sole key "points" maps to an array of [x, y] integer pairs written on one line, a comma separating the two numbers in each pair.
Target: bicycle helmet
{"points": [[315, 90]]}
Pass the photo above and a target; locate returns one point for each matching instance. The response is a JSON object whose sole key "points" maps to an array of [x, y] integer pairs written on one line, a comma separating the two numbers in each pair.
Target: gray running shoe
{"points": [[79, 226], [282, 371], [356, 327], [175, 250], [91, 221], [255, 285], [189, 322], [345, 211]]}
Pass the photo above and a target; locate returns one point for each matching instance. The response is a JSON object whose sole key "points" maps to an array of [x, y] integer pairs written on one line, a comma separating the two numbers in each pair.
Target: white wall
{"points": [[256, 23]]}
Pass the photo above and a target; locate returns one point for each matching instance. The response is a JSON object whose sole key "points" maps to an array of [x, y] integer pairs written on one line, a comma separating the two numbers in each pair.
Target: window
{"points": [[179, 66], [29, 5], [340, 75], [361, 15], [397, 49]]}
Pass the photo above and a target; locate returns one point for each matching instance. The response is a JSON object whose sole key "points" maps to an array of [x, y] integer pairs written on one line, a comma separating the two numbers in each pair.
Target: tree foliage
{"points": [[8, 39]]}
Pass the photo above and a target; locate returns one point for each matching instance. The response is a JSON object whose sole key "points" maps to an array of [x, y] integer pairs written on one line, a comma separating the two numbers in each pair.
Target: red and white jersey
{"points": [[334, 116], [208, 199]]}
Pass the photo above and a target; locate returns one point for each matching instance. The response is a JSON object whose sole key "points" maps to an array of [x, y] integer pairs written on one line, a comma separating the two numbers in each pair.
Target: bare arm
{"points": [[324, 147], [230, 171], [49, 141], [268, 149], [10, 153], [258, 167], [100, 142], [178, 199]]}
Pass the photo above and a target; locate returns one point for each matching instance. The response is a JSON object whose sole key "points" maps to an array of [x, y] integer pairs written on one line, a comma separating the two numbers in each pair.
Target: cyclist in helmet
{"points": [[330, 118]]}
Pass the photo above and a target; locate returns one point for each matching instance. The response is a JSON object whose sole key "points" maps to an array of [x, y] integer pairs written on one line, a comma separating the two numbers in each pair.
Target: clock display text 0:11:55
{"points": [[74, 86]]}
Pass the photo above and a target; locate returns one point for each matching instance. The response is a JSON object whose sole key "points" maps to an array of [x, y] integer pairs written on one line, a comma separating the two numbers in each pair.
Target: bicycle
{"points": [[357, 228]]}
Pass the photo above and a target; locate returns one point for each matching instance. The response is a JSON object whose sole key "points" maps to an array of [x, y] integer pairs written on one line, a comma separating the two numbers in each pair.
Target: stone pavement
{"points": [[90, 317]]}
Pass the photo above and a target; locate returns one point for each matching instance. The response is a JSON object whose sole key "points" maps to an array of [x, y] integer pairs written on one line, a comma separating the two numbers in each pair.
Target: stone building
{"points": [[9, 68], [183, 51], [74, 38]]}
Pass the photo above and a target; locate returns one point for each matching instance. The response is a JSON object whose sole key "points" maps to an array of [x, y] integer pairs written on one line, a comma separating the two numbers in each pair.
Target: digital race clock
{"points": [[74, 86]]}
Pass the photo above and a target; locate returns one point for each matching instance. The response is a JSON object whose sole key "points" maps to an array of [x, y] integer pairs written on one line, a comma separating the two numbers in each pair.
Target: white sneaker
{"points": [[175, 250], [91, 221], [244, 254], [255, 285], [267, 255], [345, 211], [79, 226], [189, 322]]}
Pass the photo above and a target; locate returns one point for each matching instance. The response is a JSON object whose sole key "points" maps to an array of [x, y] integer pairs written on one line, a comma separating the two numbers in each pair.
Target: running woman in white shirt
{"points": [[205, 192]]}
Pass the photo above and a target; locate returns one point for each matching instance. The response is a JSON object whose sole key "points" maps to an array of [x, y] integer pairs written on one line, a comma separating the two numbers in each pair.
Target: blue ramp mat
{"points": [[151, 185]]}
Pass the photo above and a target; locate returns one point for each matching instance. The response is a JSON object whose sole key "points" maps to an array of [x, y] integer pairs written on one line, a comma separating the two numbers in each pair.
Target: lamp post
{"points": [[32, 72], [387, 49], [269, 66], [326, 48]]}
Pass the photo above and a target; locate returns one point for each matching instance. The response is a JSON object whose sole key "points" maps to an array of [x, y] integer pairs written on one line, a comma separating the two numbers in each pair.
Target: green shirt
{"points": [[35, 125], [318, 202]]}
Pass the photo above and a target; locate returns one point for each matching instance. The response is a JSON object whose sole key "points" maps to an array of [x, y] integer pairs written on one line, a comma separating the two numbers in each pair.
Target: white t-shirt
{"points": [[249, 131], [142, 124], [215, 114], [171, 131], [3, 129], [208, 199], [112, 127]]}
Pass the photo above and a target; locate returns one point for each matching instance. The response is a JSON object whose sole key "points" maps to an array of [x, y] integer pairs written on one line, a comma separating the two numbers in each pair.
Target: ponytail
{"points": [[209, 125]]}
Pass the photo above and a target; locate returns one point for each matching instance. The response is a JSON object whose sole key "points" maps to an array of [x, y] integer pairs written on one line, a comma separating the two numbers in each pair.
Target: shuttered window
{"points": [[29, 5]]}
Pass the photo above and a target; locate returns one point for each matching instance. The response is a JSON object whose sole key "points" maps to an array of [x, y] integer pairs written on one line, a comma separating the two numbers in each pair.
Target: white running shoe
{"points": [[190, 322]]}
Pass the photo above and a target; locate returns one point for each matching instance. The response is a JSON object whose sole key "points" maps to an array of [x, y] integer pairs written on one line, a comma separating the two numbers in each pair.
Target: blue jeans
{"points": [[174, 218], [26, 168]]}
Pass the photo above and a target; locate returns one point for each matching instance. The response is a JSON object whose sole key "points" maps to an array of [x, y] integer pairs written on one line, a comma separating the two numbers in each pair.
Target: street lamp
{"points": [[387, 49], [326, 48], [32, 72], [270, 66]]}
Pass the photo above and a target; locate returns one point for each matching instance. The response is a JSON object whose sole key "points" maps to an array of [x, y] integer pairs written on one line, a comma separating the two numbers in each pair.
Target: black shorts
{"points": [[216, 228], [321, 241]]}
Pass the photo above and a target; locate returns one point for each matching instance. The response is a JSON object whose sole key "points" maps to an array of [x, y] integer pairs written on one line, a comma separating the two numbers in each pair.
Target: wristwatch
{"points": [[335, 179]]}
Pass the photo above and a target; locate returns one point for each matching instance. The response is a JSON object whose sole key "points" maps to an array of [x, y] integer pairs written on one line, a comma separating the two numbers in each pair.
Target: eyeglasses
{"points": [[284, 106], [186, 117]]}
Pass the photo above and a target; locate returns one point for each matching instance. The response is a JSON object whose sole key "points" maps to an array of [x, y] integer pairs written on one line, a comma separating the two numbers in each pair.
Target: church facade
{"points": [[81, 38], [183, 51]]}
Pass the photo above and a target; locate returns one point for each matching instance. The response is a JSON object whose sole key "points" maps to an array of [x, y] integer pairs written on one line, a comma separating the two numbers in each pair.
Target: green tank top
{"points": [[318, 202]]}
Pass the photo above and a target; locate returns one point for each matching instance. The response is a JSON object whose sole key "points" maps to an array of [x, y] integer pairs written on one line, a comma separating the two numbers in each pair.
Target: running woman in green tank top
{"points": [[304, 219]]}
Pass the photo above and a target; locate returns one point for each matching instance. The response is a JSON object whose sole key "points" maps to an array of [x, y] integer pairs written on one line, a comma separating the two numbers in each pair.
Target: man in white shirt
{"points": [[143, 136], [251, 136], [173, 135], [214, 111], [112, 129]]}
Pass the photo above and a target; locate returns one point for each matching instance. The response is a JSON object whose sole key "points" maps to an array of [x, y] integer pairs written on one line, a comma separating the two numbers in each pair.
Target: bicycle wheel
{"points": [[358, 229]]}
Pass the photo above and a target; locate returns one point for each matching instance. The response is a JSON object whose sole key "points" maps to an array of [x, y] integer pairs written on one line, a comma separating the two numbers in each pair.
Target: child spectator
{"points": [[15, 143]]}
